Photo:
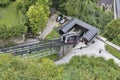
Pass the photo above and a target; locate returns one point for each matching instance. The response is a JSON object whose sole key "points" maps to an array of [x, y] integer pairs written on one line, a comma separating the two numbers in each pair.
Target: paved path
{"points": [[50, 25], [109, 43], [92, 50]]}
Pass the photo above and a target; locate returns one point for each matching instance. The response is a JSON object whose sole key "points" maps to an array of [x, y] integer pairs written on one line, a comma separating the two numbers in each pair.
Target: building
{"points": [[86, 31], [106, 5]]}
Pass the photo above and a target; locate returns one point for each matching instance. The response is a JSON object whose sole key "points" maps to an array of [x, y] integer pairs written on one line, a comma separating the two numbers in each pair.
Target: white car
{"points": [[62, 21]]}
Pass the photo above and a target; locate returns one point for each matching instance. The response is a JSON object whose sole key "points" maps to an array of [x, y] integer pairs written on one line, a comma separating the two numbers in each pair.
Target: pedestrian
{"points": [[81, 47], [100, 50]]}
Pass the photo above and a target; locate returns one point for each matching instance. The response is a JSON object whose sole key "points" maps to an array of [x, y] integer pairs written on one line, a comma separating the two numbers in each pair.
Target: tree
{"points": [[38, 15], [117, 40], [50, 70], [16, 68], [4, 2], [23, 5], [86, 10], [9, 31], [112, 29], [91, 68]]}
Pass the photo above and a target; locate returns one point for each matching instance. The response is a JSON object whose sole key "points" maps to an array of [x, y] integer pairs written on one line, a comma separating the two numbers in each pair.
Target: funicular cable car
{"points": [[70, 38]]}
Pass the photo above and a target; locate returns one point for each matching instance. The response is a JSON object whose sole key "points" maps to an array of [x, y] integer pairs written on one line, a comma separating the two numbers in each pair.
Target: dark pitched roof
{"points": [[109, 2], [89, 34]]}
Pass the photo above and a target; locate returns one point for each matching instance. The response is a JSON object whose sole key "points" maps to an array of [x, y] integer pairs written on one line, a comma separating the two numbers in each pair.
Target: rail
{"points": [[30, 48]]}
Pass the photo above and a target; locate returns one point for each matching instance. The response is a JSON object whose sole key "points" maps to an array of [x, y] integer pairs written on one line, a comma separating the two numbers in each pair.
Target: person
{"points": [[100, 50], [81, 47]]}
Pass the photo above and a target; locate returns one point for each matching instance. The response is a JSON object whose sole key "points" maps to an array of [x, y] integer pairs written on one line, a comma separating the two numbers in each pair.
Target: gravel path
{"points": [[92, 50], [50, 25]]}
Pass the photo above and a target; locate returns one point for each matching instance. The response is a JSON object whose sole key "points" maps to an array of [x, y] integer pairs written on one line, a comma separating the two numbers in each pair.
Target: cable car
{"points": [[70, 38]]}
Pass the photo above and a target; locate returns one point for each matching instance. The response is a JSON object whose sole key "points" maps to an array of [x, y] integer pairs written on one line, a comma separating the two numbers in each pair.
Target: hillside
{"points": [[79, 68], [84, 68]]}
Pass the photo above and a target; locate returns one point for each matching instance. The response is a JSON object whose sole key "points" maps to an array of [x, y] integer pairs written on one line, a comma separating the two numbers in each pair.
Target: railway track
{"points": [[30, 48]]}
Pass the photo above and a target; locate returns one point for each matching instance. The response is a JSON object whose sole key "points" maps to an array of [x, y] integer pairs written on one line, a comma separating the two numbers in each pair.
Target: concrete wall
{"points": [[64, 50]]}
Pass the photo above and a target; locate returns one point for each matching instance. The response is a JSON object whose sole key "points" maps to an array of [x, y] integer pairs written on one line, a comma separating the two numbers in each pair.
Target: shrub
{"points": [[4, 2], [7, 32]]}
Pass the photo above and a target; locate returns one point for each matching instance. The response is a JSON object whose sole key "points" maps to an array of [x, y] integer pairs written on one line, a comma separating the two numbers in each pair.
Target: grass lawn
{"points": [[113, 51], [53, 57], [53, 34], [8, 15]]}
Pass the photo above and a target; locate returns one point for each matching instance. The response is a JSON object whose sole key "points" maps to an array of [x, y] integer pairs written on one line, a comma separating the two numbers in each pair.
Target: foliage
{"points": [[53, 57], [113, 51], [79, 68], [117, 40], [58, 4], [112, 31], [95, 1], [23, 5], [16, 30], [86, 10], [50, 71], [4, 2], [29, 14], [84, 68], [11, 24], [38, 15], [15, 68]]}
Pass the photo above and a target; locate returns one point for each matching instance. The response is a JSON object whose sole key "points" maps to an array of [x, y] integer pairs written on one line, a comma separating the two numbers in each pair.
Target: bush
{"points": [[7, 32], [86, 10], [91, 68], [112, 29], [117, 40], [4, 2]]}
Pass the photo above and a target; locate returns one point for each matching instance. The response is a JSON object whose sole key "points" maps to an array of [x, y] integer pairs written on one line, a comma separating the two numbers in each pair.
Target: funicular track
{"points": [[31, 47]]}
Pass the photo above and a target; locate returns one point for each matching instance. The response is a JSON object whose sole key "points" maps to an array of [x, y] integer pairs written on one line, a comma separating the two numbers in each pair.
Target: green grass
{"points": [[113, 51], [53, 57], [8, 15], [53, 34]]}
